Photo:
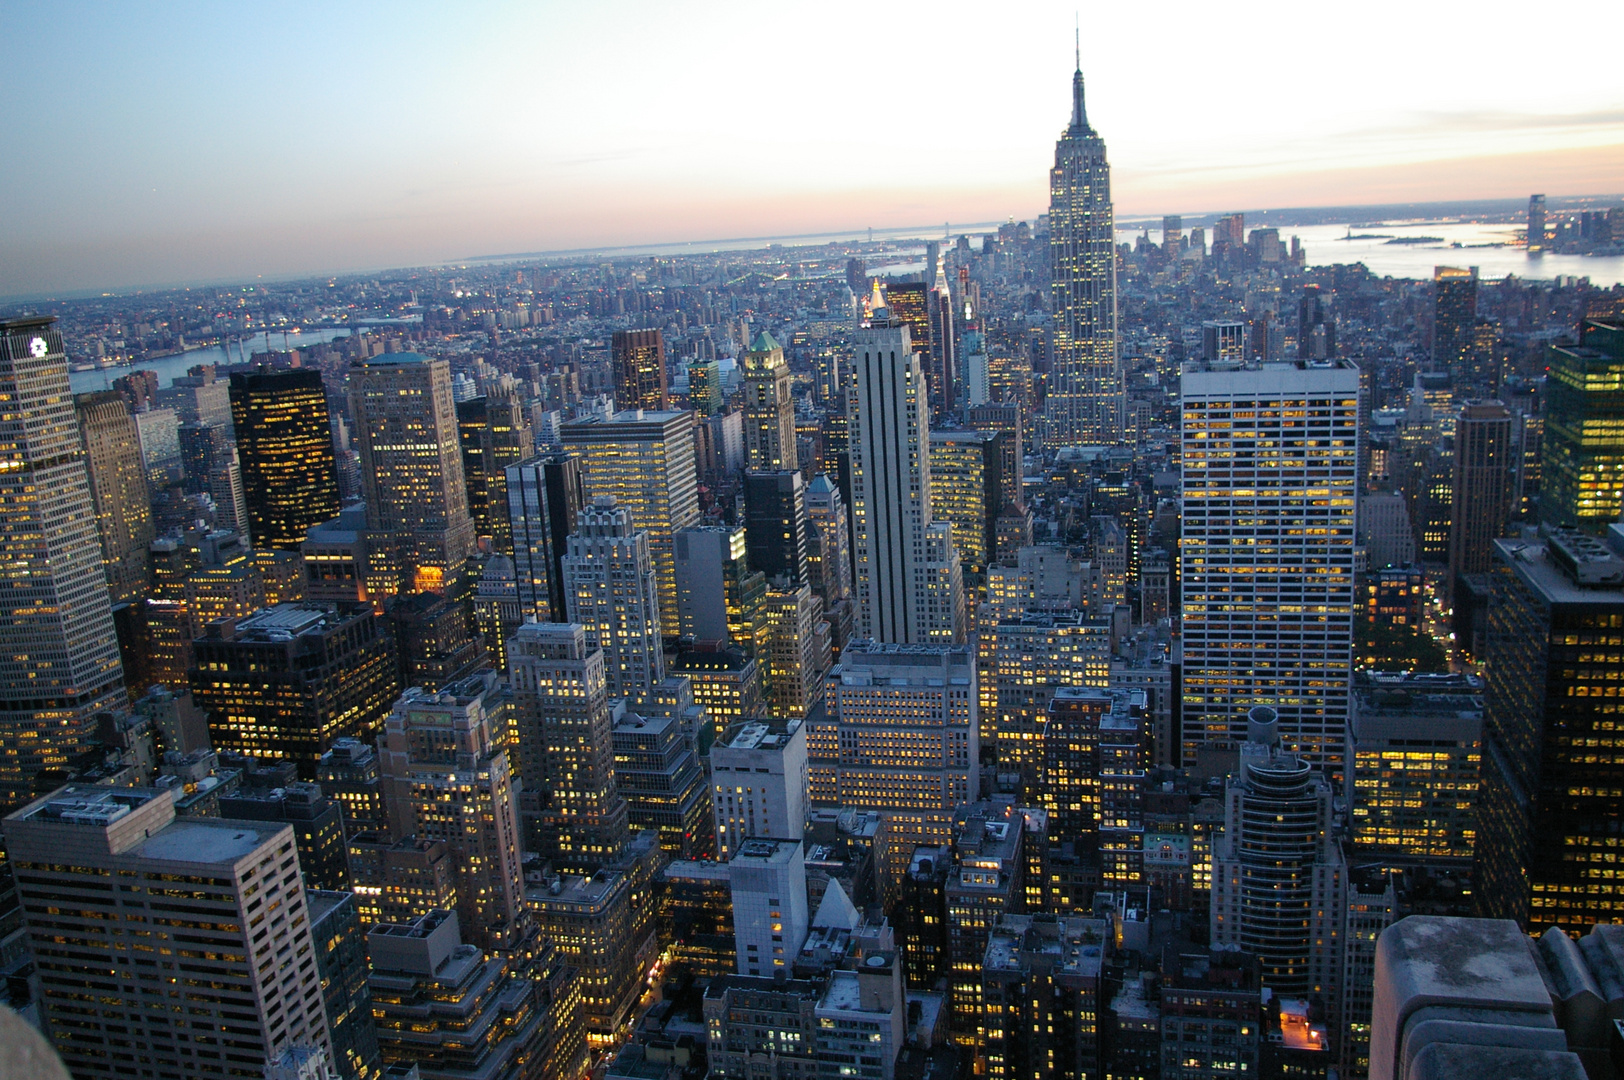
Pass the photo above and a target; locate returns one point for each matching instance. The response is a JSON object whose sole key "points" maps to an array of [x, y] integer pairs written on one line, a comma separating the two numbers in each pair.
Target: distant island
{"points": [[1366, 236], [1416, 240]]}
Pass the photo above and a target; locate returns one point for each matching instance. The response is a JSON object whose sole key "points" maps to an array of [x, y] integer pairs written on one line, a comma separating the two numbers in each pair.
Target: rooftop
{"points": [[205, 840]]}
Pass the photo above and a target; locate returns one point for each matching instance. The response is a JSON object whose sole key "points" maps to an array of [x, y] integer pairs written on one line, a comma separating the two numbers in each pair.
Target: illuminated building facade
{"points": [[705, 387], [599, 926], [1414, 756], [660, 776], [1040, 993], [967, 490], [899, 599], [638, 357], [285, 450], [1270, 476], [349, 773], [1035, 656], [290, 681], [183, 880], [60, 651], [1093, 775], [1582, 465], [545, 494], [1454, 318], [118, 489], [610, 591], [769, 407], [411, 468], [696, 916], [1553, 780], [572, 806], [1003, 417], [1212, 1015], [646, 461], [727, 683], [494, 432], [1085, 398], [341, 961], [497, 613], [798, 651], [444, 777], [986, 881]]}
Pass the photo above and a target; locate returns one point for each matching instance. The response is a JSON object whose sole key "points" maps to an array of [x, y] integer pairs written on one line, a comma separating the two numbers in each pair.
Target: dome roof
{"points": [[499, 568]]}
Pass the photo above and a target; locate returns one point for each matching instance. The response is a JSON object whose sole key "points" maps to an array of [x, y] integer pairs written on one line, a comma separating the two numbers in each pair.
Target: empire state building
{"points": [[1084, 404]]}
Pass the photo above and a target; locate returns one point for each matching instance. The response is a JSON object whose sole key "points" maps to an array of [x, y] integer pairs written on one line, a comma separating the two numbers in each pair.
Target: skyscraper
{"points": [[609, 590], [544, 496], [1454, 317], [1536, 223], [59, 658], [1483, 489], [769, 407], [1172, 235], [891, 493], [646, 461], [1085, 395], [1582, 465], [967, 490], [1270, 475], [285, 449], [638, 357], [118, 489], [776, 525], [1316, 327], [495, 432], [411, 467], [572, 805], [188, 885], [445, 776]]}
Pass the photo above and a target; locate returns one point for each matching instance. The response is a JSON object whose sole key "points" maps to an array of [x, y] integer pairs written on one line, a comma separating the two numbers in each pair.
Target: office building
{"points": [[545, 495], [1223, 343], [444, 777], [289, 681], [572, 807], [118, 491], [1089, 746], [967, 490], [798, 651], [448, 1009], [1484, 486], [400, 880], [1085, 399], [317, 822], [411, 468], [986, 881], [1268, 616], [696, 916], [1465, 997], [1414, 757], [341, 962], [646, 461], [1454, 318], [891, 512], [662, 780], [285, 448], [719, 598], [348, 773], [494, 432], [1278, 876], [1582, 468], [726, 683], [638, 358], [61, 661], [1041, 995], [611, 592], [434, 644], [1316, 326], [705, 387], [1212, 1015], [777, 526], [1548, 797], [497, 612], [1034, 657], [1003, 417], [758, 775], [1536, 224], [769, 407], [767, 879], [186, 882]]}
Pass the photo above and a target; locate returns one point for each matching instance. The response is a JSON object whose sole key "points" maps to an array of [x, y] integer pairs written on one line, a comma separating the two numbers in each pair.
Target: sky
{"points": [[161, 143]]}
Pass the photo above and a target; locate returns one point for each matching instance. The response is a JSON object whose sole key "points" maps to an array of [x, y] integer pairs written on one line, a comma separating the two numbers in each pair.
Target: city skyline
{"points": [[312, 162]]}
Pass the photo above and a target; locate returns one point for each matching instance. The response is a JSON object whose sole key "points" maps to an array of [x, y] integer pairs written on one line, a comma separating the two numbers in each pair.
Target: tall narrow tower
{"points": [[1085, 401], [59, 661], [890, 464], [118, 483], [769, 408], [285, 446]]}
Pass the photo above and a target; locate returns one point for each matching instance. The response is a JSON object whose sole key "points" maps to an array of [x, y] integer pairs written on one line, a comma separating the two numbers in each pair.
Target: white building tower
{"points": [[610, 589]]}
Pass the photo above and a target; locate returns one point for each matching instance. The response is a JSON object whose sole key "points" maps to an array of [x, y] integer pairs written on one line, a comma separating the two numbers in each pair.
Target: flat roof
{"points": [[204, 840]]}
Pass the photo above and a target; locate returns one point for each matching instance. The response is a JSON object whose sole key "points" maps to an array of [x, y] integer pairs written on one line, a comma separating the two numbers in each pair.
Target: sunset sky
{"points": [[192, 142]]}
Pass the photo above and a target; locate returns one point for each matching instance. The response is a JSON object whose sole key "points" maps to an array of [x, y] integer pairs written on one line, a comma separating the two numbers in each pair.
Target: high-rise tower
{"points": [[609, 588], [411, 466], [1085, 399], [544, 497], [639, 361], [285, 450], [890, 466], [59, 659], [769, 407], [118, 484]]}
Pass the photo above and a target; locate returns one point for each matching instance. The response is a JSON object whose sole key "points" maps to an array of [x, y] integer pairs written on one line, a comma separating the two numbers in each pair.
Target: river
{"points": [[171, 367]]}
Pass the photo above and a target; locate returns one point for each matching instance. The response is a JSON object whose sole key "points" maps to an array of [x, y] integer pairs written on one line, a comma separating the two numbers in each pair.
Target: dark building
{"points": [[317, 822], [285, 449], [1040, 996], [776, 525], [341, 960], [638, 357], [943, 371], [1552, 798], [544, 496], [696, 916], [1316, 326], [434, 644], [1454, 319], [289, 681], [1581, 463], [494, 433], [1212, 1015], [921, 914], [349, 773], [1483, 489], [204, 448]]}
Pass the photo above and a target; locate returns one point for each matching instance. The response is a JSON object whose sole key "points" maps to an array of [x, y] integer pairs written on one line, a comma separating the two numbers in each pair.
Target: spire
{"points": [[1079, 116]]}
